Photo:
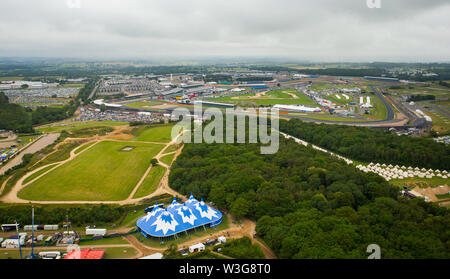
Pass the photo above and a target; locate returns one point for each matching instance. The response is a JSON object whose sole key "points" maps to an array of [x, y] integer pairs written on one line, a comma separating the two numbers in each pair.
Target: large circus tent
{"points": [[178, 218]]}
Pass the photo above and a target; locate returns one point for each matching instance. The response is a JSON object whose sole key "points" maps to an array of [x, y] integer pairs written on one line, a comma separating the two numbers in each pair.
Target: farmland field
{"points": [[102, 173]]}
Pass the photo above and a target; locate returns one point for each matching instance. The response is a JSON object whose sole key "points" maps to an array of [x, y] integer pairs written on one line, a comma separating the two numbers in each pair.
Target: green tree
{"points": [[239, 208]]}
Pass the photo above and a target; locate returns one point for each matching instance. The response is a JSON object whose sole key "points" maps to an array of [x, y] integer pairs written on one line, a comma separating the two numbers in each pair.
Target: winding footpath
{"points": [[163, 187], [246, 228]]}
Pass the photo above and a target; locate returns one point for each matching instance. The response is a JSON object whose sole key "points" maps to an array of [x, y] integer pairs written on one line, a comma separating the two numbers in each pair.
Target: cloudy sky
{"points": [[319, 30]]}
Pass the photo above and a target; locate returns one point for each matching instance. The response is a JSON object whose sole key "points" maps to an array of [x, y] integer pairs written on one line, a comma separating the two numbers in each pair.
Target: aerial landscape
{"points": [[156, 139]]}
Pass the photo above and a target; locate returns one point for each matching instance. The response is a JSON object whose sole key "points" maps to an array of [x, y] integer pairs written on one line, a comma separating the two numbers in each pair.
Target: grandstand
{"points": [[178, 218]]}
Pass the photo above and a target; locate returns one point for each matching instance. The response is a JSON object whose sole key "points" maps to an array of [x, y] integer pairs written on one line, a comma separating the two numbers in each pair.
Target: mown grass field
{"points": [[103, 241], [168, 159], [102, 173], [276, 97], [120, 253], [151, 182], [440, 123], [84, 147], [31, 177], [162, 134], [140, 105]]}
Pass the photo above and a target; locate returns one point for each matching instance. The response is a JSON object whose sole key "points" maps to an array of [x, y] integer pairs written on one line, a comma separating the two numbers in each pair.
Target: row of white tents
{"points": [[299, 141], [390, 172]]}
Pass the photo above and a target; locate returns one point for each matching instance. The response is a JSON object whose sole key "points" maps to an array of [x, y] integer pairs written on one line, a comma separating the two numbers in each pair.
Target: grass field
{"points": [[70, 126], [15, 255], [110, 253], [379, 111], [120, 253], [443, 197], [432, 89], [102, 173], [276, 97], [440, 123], [140, 105], [161, 134], [168, 159], [84, 147], [10, 78], [328, 117], [103, 241], [151, 182], [422, 182], [172, 148], [342, 101], [30, 178]]}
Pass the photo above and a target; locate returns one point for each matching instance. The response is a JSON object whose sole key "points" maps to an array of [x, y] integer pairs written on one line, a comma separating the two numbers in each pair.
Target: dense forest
{"points": [[241, 248], [14, 117], [310, 205], [372, 145]]}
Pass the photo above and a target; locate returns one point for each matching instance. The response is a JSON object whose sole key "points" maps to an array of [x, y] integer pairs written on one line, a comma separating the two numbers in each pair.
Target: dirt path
{"points": [[292, 95], [246, 228], [143, 249], [157, 157], [35, 147], [12, 197], [163, 188], [4, 184], [11, 137]]}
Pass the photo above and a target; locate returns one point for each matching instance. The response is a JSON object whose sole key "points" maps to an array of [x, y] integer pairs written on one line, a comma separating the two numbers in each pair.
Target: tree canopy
{"points": [[310, 205], [371, 145]]}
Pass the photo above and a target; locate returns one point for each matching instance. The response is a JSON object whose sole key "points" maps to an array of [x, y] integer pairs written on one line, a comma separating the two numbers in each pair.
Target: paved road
{"points": [[35, 147], [390, 110]]}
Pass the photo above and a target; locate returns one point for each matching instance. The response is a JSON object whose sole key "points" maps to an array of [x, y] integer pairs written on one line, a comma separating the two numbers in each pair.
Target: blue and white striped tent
{"points": [[178, 218]]}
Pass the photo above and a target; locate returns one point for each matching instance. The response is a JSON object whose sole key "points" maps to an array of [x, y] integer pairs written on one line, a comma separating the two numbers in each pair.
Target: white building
{"points": [[197, 248]]}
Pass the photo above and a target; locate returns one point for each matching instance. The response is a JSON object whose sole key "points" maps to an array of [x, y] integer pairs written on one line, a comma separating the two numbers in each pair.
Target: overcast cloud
{"points": [[322, 30]]}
